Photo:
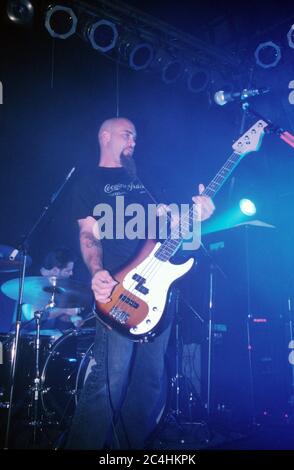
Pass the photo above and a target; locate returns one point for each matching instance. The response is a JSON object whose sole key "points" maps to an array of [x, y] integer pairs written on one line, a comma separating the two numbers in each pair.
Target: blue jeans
{"points": [[123, 394]]}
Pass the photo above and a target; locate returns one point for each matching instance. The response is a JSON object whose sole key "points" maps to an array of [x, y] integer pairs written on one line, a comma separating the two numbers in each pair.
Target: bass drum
{"points": [[25, 367], [5, 363], [66, 368]]}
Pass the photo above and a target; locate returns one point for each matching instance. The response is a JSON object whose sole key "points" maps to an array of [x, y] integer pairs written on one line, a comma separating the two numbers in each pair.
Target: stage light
{"points": [[220, 97], [247, 207], [20, 12], [102, 35], [168, 65], [267, 54], [197, 80], [172, 70], [60, 22], [139, 55], [290, 37]]}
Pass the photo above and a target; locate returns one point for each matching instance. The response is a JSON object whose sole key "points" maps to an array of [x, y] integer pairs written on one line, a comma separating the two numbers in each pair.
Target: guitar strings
{"points": [[150, 269], [155, 264], [185, 219], [218, 180]]}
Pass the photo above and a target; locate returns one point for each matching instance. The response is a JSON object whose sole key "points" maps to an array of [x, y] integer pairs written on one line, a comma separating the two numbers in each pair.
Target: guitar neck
{"points": [[248, 142], [171, 245], [223, 174]]}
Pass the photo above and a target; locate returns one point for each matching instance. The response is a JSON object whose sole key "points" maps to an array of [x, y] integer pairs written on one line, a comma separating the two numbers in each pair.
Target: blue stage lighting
{"points": [[247, 207]]}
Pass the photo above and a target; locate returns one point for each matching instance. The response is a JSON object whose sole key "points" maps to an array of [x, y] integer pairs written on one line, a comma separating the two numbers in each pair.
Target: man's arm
{"points": [[92, 253], [90, 245]]}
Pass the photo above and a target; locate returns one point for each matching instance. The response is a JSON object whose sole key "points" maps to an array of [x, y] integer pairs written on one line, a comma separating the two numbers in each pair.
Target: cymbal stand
{"points": [[37, 387], [173, 306], [177, 381], [15, 346], [210, 320], [181, 423], [22, 248]]}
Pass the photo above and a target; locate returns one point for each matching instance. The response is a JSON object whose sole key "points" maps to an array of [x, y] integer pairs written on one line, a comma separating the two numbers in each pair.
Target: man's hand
{"points": [[164, 210], [102, 286], [207, 206]]}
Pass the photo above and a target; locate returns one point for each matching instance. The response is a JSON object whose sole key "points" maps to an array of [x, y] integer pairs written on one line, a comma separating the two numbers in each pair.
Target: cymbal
{"points": [[41, 291], [8, 265]]}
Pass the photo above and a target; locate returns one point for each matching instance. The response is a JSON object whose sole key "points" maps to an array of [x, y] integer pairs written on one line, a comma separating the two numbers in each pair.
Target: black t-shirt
{"points": [[114, 187]]}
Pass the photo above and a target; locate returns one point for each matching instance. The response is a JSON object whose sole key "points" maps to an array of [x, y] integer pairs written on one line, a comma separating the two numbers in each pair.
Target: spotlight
{"points": [[198, 79], [267, 54], [290, 37], [20, 12], [60, 22], [247, 207], [102, 35], [138, 54]]}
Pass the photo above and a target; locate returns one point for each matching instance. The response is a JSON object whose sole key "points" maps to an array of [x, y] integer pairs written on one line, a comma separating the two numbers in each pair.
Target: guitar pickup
{"points": [[128, 301], [139, 287]]}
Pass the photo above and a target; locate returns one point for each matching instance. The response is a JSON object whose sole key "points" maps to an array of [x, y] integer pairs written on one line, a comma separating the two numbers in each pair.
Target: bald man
{"points": [[123, 394]]}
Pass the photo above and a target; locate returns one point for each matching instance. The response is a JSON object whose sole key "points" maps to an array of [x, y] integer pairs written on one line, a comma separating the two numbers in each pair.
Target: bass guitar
{"points": [[138, 300]]}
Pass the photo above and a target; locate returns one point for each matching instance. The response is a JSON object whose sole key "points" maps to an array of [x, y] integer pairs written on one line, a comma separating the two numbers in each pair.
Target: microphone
{"points": [[221, 97], [13, 255]]}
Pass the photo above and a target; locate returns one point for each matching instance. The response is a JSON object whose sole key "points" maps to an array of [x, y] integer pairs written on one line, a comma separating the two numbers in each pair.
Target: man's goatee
{"points": [[130, 166]]}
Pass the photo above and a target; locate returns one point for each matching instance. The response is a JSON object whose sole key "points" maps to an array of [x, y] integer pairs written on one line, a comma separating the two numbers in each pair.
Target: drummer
{"points": [[59, 263]]}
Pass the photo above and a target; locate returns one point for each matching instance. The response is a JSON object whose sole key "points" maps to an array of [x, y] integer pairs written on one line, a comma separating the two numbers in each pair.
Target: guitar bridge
{"points": [[119, 315]]}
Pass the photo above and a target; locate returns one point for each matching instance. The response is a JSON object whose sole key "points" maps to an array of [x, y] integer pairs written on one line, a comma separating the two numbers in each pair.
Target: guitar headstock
{"points": [[251, 140]]}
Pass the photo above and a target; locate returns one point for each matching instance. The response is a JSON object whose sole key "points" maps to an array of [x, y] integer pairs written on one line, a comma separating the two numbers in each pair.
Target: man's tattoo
{"points": [[92, 252], [90, 240]]}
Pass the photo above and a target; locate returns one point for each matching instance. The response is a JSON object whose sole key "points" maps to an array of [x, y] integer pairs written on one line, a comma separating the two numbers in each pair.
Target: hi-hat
{"points": [[49, 291], [8, 265]]}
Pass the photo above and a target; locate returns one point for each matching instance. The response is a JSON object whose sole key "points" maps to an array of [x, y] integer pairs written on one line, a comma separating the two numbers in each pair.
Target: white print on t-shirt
{"points": [[121, 188]]}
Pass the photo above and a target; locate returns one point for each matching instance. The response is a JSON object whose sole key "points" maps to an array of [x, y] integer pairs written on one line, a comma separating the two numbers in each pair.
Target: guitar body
{"points": [[138, 300]]}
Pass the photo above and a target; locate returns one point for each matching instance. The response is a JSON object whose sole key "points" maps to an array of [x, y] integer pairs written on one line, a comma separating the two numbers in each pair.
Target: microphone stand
{"points": [[23, 248], [242, 125], [271, 127], [213, 269]]}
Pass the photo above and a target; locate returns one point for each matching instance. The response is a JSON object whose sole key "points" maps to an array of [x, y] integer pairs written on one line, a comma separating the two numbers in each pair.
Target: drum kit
{"points": [[51, 365]]}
